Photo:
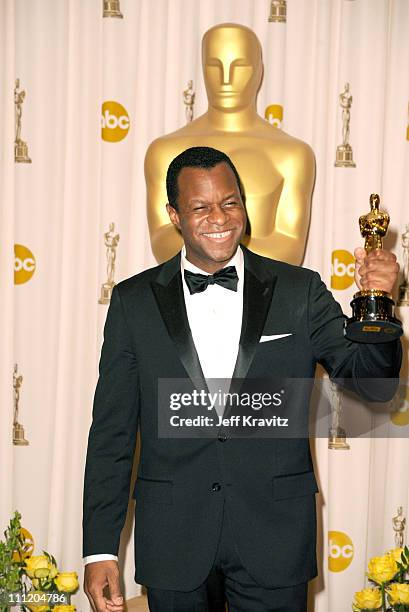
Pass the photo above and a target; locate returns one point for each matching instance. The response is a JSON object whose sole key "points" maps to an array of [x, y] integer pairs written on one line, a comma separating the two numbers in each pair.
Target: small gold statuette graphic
{"points": [[344, 156], [278, 11], [20, 147], [372, 318], [399, 522], [18, 429], [189, 100], [336, 435], [111, 242], [112, 9], [404, 287]]}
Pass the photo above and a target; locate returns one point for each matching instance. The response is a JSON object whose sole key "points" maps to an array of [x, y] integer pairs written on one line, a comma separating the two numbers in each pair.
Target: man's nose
{"points": [[217, 216]]}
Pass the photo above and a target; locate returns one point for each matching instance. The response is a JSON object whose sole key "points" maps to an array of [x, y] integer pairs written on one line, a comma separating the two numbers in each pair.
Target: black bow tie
{"points": [[226, 277]]}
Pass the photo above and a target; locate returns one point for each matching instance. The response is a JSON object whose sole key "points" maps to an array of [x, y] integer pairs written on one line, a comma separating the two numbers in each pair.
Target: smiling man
{"points": [[219, 518]]}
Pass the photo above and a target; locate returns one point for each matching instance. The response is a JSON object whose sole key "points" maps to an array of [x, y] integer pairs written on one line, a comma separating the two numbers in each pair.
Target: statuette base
{"points": [[18, 435], [21, 153], [337, 439], [111, 9], [372, 318], [106, 293], [344, 157]]}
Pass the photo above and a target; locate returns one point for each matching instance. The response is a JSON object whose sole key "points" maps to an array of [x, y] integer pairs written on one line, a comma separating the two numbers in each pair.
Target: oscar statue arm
{"points": [[165, 239], [292, 217]]}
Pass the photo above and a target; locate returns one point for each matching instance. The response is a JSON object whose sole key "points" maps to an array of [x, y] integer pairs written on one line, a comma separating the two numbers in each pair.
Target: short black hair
{"points": [[195, 157]]}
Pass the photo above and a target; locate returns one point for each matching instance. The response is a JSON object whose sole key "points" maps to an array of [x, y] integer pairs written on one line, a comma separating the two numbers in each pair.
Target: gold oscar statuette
{"points": [[20, 147], [404, 287], [111, 242], [372, 318], [189, 100], [278, 11], [344, 155], [112, 9], [399, 523], [18, 430], [336, 435]]}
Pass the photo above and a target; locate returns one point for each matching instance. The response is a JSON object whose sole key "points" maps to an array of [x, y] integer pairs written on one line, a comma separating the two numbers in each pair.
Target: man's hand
{"points": [[377, 270], [97, 576]]}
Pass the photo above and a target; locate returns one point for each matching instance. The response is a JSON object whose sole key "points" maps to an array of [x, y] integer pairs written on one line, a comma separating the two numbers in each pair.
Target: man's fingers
{"points": [[115, 602], [376, 270], [97, 577]]}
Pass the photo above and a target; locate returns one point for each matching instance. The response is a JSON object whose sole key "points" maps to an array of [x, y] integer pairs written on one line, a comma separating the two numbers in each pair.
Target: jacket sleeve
{"points": [[363, 368], [112, 437]]}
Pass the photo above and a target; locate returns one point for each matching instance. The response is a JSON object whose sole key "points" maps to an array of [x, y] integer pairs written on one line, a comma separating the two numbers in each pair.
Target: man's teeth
{"points": [[219, 234]]}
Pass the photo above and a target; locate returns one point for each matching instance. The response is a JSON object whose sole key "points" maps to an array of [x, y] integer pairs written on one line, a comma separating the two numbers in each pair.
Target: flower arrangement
{"points": [[390, 575], [33, 582]]}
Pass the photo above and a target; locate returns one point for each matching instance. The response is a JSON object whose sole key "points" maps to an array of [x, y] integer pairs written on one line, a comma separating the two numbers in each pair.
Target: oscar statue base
{"points": [[18, 435], [21, 153], [106, 292], [337, 439], [372, 318], [278, 11], [111, 9], [344, 157], [403, 295]]}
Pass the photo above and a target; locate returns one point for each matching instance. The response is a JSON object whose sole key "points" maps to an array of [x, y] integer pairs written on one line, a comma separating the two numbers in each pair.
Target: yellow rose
{"points": [[398, 593], [67, 582], [38, 566], [64, 609], [38, 608], [396, 554], [367, 599], [382, 569]]}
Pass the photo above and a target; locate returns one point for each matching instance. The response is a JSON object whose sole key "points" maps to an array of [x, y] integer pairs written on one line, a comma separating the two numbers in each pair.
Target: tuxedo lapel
{"points": [[258, 292], [168, 291]]}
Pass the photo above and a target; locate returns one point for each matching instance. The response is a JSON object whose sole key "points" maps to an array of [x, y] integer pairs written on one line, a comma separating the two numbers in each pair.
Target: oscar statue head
{"points": [[232, 66]]}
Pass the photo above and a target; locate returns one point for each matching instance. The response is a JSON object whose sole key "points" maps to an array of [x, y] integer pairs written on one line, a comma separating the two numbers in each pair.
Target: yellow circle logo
{"points": [[342, 269], [114, 121], [340, 551], [274, 114], [401, 416], [24, 264]]}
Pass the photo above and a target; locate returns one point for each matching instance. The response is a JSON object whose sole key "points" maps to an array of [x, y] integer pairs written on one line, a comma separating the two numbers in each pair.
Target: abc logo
{"points": [[342, 269], [114, 121], [340, 551], [274, 114], [24, 264]]}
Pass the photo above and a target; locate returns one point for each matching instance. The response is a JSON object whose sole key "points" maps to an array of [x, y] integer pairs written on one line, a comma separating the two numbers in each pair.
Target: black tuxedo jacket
{"points": [[267, 484]]}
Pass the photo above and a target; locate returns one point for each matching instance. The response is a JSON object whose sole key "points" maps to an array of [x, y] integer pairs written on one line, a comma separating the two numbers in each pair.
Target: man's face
{"points": [[232, 68], [211, 215]]}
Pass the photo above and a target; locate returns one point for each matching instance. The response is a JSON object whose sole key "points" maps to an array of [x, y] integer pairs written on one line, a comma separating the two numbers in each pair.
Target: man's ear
{"points": [[173, 215]]}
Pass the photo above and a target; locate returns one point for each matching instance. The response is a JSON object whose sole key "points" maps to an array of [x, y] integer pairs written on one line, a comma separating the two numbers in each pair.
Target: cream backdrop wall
{"points": [[70, 60]]}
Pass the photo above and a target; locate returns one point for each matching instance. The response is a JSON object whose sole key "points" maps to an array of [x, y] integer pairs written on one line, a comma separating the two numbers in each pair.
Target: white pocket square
{"points": [[274, 337]]}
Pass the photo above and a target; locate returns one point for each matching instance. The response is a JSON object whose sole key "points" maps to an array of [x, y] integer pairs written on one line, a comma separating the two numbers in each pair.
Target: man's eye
{"points": [[232, 203]]}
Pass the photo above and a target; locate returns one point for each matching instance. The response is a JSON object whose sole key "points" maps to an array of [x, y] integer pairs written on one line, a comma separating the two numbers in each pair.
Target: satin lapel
{"points": [[256, 302], [168, 292]]}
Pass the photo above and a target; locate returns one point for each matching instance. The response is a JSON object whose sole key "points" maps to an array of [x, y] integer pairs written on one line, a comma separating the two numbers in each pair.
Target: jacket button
{"points": [[216, 486], [222, 437]]}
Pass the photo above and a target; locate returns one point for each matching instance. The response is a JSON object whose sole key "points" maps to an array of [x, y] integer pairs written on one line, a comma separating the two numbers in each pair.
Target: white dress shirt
{"points": [[215, 317]]}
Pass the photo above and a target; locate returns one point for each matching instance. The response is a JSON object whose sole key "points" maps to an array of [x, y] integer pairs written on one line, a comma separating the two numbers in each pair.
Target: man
{"points": [[218, 516]]}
